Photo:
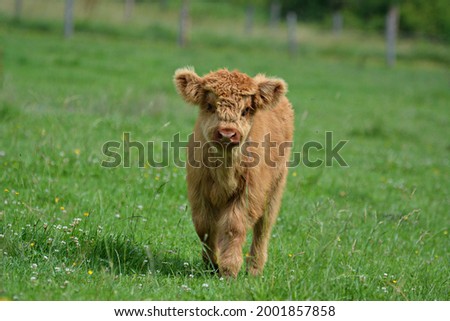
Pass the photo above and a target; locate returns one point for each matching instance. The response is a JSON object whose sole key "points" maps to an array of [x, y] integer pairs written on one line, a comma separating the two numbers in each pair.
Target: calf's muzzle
{"points": [[226, 135]]}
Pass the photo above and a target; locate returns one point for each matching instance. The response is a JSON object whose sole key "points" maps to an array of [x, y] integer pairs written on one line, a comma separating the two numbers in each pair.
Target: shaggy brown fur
{"points": [[243, 187]]}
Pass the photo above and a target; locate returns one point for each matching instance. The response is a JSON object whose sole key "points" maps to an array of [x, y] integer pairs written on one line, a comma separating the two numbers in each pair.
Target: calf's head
{"points": [[228, 101]]}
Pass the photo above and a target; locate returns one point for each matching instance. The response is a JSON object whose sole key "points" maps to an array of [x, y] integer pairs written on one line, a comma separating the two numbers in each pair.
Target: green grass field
{"points": [[73, 230]]}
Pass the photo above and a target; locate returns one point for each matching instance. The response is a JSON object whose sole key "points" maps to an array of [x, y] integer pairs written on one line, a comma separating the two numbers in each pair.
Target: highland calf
{"points": [[237, 162]]}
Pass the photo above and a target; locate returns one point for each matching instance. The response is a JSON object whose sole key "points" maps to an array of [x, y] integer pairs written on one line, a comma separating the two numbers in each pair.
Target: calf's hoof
{"points": [[228, 273]]}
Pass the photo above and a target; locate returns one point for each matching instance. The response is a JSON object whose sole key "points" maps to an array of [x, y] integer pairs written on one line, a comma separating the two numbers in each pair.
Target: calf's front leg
{"points": [[231, 237], [205, 227]]}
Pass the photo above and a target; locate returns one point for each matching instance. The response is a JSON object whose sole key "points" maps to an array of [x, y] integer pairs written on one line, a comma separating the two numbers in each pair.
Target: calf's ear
{"points": [[189, 85], [270, 91]]}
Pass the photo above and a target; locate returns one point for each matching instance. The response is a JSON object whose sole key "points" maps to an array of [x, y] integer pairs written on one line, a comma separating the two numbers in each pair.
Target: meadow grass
{"points": [[73, 230]]}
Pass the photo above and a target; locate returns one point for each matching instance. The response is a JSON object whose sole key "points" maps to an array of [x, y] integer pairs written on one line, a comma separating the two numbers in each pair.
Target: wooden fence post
{"points": [[183, 24], [17, 9], [249, 15], [391, 35], [275, 12], [68, 19], [292, 32], [129, 8], [1, 69], [338, 22]]}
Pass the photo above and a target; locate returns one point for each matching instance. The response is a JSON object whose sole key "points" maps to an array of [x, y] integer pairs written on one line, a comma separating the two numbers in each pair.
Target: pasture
{"points": [[71, 229]]}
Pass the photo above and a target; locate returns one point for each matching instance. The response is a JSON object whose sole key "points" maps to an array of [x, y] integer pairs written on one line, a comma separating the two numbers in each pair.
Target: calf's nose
{"points": [[228, 135]]}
